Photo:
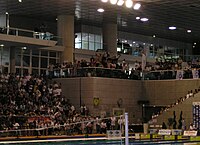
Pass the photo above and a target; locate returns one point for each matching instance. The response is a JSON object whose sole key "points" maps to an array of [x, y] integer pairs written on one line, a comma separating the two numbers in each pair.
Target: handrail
{"points": [[30, 33], [25, 30], [118, 73], [177, 101]]}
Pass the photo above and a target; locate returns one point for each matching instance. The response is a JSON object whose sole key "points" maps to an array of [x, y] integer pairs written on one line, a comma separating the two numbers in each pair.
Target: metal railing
{"points": [[31, 34], [118, 73]]}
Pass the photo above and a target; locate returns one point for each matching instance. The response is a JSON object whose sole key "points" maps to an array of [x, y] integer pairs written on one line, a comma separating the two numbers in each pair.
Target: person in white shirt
{"points": [[192, 127], [16, 127], [59, 91], [113, 120], [103, 127]]}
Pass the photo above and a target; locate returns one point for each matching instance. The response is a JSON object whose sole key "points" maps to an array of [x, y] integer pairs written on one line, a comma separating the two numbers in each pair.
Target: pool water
{"points": [[118, 142]]}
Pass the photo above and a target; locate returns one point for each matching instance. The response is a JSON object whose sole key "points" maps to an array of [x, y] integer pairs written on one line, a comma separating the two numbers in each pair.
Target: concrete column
{"points": [[110, 38], [12, 59], [66, 32]]}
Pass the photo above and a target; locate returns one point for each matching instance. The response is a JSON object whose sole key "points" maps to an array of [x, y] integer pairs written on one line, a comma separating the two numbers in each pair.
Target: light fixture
{"points": [[20, 1], [129, 3], [56, 19], [2, 45], [24, 48], [133, 42], [137, 18], [120, 2], [172, 28], [137, 6], [125, 41], [189, 31], [100, 10], [113, 2], [151, 44], [154, 36], [195, 43], [6, 13], [144, 19], [104, 1]]}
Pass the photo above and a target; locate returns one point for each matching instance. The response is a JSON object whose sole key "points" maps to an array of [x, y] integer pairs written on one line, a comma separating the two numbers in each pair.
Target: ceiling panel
{"points": [[161, 13]]}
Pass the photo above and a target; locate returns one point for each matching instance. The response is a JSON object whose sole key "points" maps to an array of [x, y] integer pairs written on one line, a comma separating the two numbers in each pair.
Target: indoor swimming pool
{"points": [[109, 142]]}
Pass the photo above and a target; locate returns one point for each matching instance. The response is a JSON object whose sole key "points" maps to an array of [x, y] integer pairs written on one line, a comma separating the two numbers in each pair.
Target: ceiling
{"points": [[184, 14]]}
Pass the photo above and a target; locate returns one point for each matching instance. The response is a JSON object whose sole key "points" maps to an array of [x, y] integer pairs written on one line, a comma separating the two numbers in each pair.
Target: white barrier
{"points": [[137, 136], [177, 132], [153, 131], [190, 133], [114, 134], [164, 132]]}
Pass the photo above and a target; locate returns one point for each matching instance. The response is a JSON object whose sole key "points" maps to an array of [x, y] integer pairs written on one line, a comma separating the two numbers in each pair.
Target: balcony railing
{"points": [[31, 34], [118, 73]]}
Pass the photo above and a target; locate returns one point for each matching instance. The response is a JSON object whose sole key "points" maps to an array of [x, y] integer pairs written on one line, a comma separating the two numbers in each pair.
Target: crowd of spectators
{"points": [[35, 105], [103, 65], [36, 102]]}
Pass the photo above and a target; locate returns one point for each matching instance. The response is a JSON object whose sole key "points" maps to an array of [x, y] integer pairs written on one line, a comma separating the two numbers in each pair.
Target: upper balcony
{"points": [[18, 37]]}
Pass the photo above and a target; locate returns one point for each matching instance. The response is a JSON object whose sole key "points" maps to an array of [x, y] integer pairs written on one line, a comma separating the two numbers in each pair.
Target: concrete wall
{"points": [[185, 107], [109, 91], [164, 92]]}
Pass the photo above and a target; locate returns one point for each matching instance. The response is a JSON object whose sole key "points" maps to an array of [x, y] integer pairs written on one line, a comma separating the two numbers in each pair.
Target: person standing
{"points": [[183, 124]]}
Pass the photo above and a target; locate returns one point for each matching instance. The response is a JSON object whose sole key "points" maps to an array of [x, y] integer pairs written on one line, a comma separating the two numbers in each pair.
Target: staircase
{"points": [[183, 104]]}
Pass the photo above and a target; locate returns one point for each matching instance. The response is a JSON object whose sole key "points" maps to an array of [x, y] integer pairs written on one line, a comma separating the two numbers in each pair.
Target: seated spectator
{"points": [[192, 127]]}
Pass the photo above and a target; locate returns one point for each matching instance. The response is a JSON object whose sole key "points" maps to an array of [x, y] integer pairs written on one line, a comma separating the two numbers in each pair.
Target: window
{"points": [[84, 44], [91, 46], [78, 40], [35, 61], [44, 53], [18, 71], [52, 61], [25, 51], [35, 52], [90, 38], [44, 63], [35, 71], [5, 56], [18, 60], [98, 45], [52, 54], [26, 61], [98, 38]]}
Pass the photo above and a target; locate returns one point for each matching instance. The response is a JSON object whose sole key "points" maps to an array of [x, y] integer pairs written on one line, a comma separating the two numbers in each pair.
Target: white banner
{"points": [[164, 132], [195, 74], [179, 74], [196, 103], [190, 133]]}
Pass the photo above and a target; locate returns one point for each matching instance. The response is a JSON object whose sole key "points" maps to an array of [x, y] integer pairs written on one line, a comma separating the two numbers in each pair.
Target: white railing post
{"points": [[126, 129], [17, 33]]}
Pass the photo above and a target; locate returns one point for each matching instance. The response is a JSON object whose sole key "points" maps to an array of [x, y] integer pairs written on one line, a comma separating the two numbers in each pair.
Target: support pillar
{"points": [[12, 60], [110, 38], [66, 32]]}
